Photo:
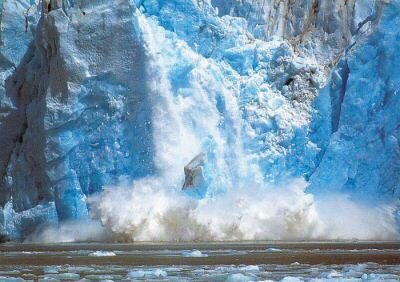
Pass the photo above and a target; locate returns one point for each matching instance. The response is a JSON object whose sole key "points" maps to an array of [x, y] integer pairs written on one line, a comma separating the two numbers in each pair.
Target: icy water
{"points": [[334, 261]]}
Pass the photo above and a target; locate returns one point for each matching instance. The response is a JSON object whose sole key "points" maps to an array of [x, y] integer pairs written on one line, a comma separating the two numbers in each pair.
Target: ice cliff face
{"points": [[265, 91], [363, 150]]}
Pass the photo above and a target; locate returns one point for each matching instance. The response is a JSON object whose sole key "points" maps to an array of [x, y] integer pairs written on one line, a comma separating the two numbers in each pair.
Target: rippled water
{"points": [[277, 261]]}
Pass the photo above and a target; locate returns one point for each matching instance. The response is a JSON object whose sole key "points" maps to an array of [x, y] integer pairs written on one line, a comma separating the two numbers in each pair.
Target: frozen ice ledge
{"points": [[93, 91]]}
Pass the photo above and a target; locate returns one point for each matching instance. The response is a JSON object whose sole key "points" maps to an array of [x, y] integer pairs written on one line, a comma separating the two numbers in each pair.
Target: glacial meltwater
{"points": [[245, 261]]}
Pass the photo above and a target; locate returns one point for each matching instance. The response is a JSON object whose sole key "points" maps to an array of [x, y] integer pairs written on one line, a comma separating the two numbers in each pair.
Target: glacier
{"points": [[200, 119]]}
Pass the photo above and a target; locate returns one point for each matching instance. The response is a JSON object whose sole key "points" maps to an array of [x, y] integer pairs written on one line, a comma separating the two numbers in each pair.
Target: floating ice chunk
{"points": [[102, 254], [383, 277], [291, 279], [250, 268], [10, 279], [9, 272], [137, 274], [160, 273], [62, 276], [355, 271], [156, 273], [69, 276], [77, 269], [51, 269], [334, 274], [239, 277], [103, 278], [194, 254]]}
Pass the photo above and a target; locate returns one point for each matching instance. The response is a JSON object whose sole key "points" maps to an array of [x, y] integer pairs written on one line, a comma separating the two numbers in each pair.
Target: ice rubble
{"points": [[97, 91]]}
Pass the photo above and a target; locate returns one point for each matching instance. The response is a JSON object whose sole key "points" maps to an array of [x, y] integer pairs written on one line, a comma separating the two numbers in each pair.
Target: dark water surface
{"points": [[245, 261]]}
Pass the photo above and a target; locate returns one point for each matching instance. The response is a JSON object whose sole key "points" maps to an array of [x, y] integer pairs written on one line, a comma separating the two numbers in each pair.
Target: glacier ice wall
{"points": [[95, 93], [363, 150]]}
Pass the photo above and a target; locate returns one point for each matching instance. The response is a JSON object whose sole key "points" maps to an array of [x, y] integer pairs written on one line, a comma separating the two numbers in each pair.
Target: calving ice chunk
{"points": [[106, 105]]}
